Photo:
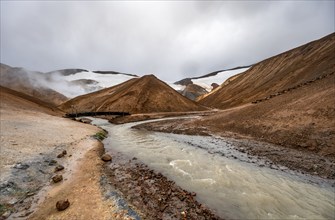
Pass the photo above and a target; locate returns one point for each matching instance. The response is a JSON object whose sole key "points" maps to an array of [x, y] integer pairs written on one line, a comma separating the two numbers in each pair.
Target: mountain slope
{"points": [[11, 99], [277, 74], [302, 118], [138, 95], [28, 82]]}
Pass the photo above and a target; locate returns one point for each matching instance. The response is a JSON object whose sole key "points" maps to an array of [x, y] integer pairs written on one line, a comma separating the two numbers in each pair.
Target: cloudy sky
{"points": [[171, 39]]}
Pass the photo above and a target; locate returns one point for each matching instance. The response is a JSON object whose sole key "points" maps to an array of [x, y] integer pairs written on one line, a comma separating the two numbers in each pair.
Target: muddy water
{"points": [[222, 178]]}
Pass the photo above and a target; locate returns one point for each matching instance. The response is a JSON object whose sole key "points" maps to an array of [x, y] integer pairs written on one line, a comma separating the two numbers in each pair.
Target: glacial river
{"points": [[235, 189]]}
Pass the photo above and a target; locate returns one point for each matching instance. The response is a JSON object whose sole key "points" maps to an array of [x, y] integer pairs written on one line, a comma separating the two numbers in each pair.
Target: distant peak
{"points": [[149, 76]]}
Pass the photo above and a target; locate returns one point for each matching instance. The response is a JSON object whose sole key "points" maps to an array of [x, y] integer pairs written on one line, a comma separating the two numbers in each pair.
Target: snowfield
{"points": [[104, 80], [219, 78], [176, 87]]}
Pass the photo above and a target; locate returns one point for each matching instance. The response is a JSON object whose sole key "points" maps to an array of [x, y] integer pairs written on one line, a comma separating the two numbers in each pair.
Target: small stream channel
{"points": [[233, 187]]}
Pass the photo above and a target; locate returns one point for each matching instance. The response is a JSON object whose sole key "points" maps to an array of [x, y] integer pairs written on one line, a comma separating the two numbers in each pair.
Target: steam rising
{"points": [[69, 85]]}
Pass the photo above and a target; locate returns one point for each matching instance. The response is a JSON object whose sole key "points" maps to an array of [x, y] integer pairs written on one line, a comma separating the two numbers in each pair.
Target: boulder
{"points": [[62, 154], [59, 168], [214, 86], [106, 157], [62, 205], [57, 178]]}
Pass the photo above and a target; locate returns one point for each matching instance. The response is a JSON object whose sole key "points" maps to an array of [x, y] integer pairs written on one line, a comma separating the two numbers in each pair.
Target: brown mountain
{"points": [[277, 74], [11, 100], [140, 95], [302, 118], [27, 82]]}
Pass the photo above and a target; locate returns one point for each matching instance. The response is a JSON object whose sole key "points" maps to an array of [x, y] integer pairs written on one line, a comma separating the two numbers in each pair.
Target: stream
{"points": [[224, 179]]}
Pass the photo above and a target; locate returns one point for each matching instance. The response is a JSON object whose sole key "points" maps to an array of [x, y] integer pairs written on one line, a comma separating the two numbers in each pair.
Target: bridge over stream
{"points": [[80, 114]]}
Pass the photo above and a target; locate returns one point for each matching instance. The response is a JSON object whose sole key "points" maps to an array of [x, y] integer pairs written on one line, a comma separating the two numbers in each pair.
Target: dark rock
{"points": [[214, 85], [62, 154], [106, 157], [62, 205], [57, 178], [59, 168], [52, 162]]}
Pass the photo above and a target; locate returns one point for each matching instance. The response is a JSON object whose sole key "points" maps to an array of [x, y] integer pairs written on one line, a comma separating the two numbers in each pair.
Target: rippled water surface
{"points": [[234, 189]]}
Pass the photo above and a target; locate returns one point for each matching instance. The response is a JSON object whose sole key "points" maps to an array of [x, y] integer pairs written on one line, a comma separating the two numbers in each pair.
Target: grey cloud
{"points": [[170, 39]]}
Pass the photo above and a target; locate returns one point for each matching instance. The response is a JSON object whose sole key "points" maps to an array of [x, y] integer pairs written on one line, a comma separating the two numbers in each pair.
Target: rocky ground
{"points": [[151, 194], [35, 146]]}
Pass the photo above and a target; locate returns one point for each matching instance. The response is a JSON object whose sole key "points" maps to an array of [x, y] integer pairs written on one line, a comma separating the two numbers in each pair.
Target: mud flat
{"points": [[30, 144]]}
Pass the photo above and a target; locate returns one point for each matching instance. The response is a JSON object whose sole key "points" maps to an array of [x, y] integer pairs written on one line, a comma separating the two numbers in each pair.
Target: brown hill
{"points": [[27, 82], [141, 95], [303, 118], [11, 100], [193, 91], [277, 74]]}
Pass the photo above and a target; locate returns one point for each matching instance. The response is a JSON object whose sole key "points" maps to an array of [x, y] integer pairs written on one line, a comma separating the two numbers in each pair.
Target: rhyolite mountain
{"points": [[28, 82], [276, 75], [13, 100], [139, 95]]}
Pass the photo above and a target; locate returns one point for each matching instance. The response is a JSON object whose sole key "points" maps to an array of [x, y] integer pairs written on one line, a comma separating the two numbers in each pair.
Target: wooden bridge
{"points": [[80, 114]]}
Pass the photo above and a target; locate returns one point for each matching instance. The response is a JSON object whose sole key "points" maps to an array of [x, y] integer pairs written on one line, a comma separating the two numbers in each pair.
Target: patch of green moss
{"points": [[100, 135]]}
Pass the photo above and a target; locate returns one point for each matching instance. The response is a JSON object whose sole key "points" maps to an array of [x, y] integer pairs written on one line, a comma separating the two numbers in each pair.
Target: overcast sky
{"points": [[172, 39]]}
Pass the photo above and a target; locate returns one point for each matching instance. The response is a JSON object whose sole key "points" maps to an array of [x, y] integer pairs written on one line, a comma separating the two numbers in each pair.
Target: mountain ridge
{"points": [[138, 95]]}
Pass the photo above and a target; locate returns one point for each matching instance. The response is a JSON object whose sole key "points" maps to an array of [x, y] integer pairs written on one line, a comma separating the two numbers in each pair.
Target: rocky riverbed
{"points": [[149, 193]]}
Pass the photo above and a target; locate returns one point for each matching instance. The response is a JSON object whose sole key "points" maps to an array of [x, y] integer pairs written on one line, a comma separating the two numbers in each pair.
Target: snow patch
{"points": [[104, 80], [219, 78]]}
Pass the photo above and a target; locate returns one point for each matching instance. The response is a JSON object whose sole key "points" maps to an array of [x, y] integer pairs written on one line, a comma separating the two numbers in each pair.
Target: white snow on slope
{"points": [[104, 80], [65, 86], [219, 78], [175, 86]]}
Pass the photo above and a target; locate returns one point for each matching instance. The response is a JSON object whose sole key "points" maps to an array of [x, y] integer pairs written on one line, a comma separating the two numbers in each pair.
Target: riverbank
{"points": [[151, 194], [31, 145], [151, 116], [81, 188], [300, 160]]}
